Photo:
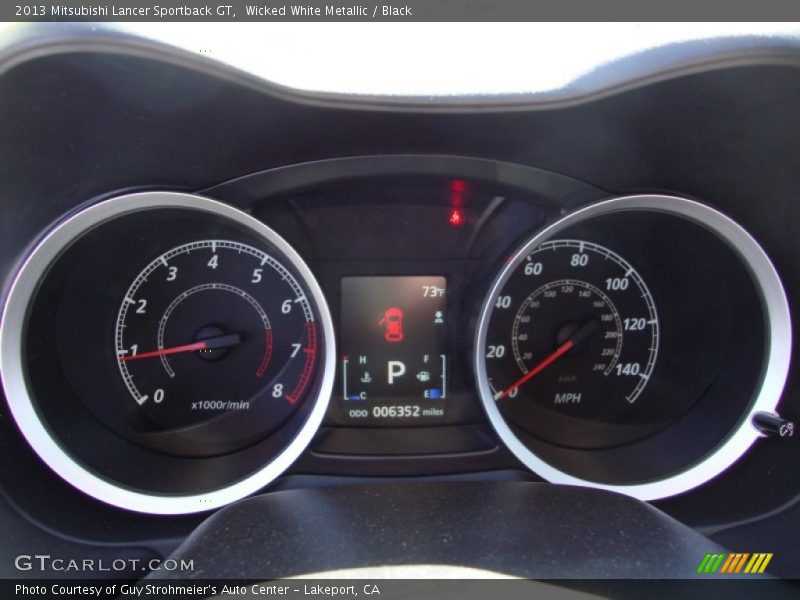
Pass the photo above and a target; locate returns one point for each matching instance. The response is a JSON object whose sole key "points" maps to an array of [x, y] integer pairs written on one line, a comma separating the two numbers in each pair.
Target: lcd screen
{"points": [[394, 347]]}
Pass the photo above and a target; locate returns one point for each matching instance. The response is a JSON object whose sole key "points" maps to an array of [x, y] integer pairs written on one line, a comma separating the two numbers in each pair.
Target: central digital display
{"points": [[394, 348]]}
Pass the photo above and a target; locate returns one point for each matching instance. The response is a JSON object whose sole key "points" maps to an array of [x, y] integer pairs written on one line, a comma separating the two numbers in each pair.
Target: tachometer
{"points": [[167, 353], [218, 338]]}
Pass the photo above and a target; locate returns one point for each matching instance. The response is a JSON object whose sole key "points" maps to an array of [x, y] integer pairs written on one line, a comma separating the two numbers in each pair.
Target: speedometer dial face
{"points": [[572, 342], [215, 341], [608, 355]]}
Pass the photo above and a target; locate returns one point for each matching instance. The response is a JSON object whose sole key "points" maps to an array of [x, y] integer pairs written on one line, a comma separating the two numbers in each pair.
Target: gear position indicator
{"points": [[394, 344]]}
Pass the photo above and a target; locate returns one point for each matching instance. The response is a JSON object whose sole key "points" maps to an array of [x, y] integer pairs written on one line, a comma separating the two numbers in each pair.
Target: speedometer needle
{"points": [[213, 343], [577, 337]]}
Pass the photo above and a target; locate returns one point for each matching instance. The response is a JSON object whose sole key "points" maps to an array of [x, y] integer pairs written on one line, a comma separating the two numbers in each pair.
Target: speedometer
{"points": [[572, 341], [606, 354]]}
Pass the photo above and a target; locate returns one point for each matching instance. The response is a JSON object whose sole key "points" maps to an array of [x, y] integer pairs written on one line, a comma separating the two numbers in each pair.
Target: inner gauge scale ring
{"points": [[778, 343], [45, 442]]}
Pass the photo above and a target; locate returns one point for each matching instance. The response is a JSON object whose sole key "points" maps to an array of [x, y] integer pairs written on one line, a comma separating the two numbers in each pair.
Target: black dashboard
{"points": [[214, 287]]}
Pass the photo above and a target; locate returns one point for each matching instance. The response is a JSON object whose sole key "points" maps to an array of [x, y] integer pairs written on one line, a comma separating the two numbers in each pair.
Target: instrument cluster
{"points": [[170, 353]]}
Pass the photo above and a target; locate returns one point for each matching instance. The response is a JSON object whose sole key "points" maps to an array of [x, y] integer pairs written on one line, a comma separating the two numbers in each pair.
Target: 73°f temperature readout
{"points": [[394, 348]]}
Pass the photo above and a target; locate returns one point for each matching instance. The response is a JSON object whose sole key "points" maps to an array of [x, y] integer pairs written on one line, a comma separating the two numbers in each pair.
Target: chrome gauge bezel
{"points": [[24, 406], [777, 349]]}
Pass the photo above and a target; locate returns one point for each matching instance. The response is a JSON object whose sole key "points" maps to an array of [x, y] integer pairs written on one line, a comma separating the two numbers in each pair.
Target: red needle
{"points": [[174, 350], [562, 349]]}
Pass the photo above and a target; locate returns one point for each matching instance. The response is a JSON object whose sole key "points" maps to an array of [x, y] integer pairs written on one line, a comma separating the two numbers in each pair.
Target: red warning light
{"points": [[456, 218], [457, 187]]}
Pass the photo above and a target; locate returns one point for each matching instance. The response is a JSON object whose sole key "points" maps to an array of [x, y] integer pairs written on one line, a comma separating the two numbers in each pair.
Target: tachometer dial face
{"points": [[215, 341], [178, 354], [572, 342]]}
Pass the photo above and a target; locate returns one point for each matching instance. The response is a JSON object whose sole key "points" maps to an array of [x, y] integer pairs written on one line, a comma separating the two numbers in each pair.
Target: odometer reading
{"points": [[571, 343], [216, 340]]}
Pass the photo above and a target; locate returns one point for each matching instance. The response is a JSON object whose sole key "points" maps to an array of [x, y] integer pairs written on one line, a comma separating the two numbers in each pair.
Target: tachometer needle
{"points": [[577, 337], [213, 343]]}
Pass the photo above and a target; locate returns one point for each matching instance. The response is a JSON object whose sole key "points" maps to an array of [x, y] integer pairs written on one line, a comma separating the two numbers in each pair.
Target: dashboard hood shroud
{"points": [[531, 530]]}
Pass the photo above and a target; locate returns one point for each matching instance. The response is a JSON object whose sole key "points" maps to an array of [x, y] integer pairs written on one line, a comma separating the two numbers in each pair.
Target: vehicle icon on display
{"points": [[393, 322]]}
